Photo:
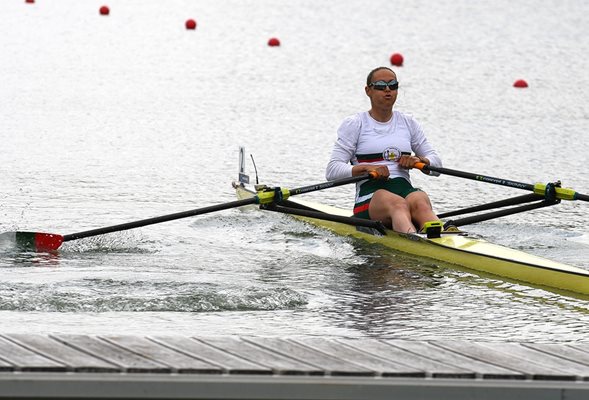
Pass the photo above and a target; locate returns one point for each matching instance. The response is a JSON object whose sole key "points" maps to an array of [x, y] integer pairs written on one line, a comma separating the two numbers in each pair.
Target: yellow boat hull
{"points": [[471, 253]]}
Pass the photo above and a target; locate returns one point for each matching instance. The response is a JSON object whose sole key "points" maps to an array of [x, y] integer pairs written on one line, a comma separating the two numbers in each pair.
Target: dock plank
{"points": [[552, 361], [486, 353], [481, 369], [177, 361], [569, 352], [433, 368], [278, 362], [370, 361], [323, 363], [75, 360], [230, 363], [26, 360], [581, 347], [108, 352], [5, 366]]}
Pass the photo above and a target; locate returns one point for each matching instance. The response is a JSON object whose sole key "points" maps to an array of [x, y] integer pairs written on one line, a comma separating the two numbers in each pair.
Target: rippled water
{"points": [[113, 119]]}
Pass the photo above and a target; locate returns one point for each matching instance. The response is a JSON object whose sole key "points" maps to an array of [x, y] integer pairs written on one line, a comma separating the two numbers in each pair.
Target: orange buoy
{"points": [[520, 83], [104, 10], [397, 59], [190, 24], [273, 42]]}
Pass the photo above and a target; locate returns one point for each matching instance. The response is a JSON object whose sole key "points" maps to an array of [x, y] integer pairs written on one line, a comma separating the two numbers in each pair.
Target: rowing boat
{"points": [[455, 248]]}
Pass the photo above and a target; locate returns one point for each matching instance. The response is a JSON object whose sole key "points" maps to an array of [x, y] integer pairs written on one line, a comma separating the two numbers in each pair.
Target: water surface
{"points": [[113, 119]]}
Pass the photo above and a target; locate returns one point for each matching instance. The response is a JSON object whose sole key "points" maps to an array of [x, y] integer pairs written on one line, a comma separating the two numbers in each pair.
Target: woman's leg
{"points": [[392, 210], [420, 208]]}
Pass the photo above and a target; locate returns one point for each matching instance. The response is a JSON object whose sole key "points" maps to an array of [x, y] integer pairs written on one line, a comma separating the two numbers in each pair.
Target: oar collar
{"points": [[267, 195]]}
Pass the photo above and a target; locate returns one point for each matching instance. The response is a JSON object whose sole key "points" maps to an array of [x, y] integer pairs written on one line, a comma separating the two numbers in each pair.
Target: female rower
{"points": [[383, 140]]}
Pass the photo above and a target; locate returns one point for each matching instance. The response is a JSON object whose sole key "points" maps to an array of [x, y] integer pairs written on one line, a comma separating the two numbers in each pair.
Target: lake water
{"points": [[105, 120]]}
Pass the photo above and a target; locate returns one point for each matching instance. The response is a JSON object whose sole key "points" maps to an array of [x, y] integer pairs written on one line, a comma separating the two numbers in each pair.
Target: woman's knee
{"points": [[390, 201], [419, 201]]}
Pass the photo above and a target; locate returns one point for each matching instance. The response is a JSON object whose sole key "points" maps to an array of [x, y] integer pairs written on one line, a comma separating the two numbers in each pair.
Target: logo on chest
{"points": [[391, 154]]}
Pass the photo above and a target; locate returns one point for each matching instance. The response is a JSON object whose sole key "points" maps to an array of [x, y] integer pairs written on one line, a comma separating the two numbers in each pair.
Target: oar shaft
{"points": [[156, 220], [258, 199], [583, 197], [367, 223], [499, 213], [330, 184], [525, 198], [477, 177], [548, 190], [262, 197]]}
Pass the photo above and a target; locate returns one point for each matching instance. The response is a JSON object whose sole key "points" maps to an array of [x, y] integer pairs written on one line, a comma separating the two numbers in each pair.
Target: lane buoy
{"points": [[397, 59], [104, 10], [190, 24], [29, 1], [520, 83], [272, 42]]}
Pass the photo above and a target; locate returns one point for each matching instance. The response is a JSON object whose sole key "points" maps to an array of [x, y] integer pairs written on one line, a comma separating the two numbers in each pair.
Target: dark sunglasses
{"points": [[382, 85]]}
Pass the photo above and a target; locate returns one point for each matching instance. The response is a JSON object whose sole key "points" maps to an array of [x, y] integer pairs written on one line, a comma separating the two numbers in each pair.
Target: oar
{"points": [[539, 188], [40, 241]]}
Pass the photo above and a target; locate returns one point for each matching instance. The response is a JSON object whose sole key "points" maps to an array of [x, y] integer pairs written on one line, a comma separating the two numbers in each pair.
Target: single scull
{"points": [[451, 247]]}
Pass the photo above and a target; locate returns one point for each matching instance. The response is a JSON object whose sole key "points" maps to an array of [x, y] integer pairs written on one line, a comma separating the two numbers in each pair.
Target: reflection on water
{"points": [[20, 259], [396, 296]]}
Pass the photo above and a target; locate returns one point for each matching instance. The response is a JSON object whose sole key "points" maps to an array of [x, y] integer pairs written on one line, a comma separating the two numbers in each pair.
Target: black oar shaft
{"points": [[526, 198], [482, 178], [499, 213], [219, 207], [330, 184], [584, 197], [367, 223], [156, 220], [549, 190]]}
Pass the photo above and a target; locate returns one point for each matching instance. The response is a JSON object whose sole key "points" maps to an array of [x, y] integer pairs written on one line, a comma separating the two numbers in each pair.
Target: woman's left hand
{"points": [[407, 161]]}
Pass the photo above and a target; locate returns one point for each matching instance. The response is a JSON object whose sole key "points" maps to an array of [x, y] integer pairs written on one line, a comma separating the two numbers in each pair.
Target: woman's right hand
{"points": [[381, 170]]}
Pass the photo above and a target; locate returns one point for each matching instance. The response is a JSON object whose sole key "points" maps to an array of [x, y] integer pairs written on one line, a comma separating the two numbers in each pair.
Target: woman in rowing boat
{"points": [[383, 140]]}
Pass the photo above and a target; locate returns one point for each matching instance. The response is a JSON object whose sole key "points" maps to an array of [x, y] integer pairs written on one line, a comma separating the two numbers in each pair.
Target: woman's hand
{"points": [[381, 170], [408, 162]]}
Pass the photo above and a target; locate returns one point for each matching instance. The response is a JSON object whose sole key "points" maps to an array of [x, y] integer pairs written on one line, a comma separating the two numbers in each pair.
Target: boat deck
{"points": [[181, 367]]}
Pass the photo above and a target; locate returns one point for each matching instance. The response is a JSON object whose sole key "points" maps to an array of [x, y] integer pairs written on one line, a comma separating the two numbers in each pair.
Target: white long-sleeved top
{"points": [[361, 138]]}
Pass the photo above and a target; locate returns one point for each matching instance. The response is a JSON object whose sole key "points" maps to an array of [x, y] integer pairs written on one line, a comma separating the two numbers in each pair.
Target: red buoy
{"points": [[104, 10], [520, 83], [29, 1], [190, 24], [273, 42], [397, 59]]}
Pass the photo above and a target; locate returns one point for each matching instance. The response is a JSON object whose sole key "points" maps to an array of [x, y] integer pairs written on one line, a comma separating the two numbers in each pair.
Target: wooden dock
{"points": [[180, 367]]}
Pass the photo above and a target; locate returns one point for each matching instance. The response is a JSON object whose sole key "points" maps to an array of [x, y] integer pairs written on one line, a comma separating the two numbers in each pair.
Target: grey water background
{"points": [[105, 120]]}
